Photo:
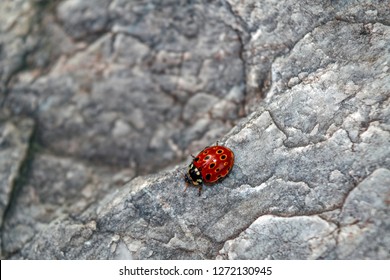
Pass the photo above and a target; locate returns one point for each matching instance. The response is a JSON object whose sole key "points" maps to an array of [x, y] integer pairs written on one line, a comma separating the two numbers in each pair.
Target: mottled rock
{"points": [[15, 137], [14, 143], [364, 220], [55, 187], [13, 49], [361, 230], [84, 18], [271, 28], [271, 237], [135, 87]]}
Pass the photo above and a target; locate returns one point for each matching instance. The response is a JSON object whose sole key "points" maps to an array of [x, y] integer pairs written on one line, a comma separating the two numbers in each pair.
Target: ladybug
{"points": [[210, 166]]}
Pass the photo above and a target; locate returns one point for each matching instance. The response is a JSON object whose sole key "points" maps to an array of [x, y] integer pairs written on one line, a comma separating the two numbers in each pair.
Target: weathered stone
{"points": [[12, 46], [361, 231], [271, 237], [55, 187], [135, 87], [141, 82], [84, 18], [14, 143], [364, 220], [15, 137], [272, 28]]}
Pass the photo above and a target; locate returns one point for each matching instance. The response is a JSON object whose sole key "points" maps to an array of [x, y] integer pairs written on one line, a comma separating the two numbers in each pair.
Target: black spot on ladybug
{"points": [[206, 152], [207, 157], [208, 176], [212, 165], [217, 170], [219, 152], [219, 176], [223, 157]]}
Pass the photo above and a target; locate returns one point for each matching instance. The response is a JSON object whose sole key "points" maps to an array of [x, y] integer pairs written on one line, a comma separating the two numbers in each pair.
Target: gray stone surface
{"points": [[129, 90], [13, 48], [271, 237], [122, 92], [15, 135], [271, 28], [363, 217], [55, 187], [14, 143]]}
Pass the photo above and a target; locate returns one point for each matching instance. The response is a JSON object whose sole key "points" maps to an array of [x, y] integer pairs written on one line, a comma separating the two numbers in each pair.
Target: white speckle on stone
{"points": [[372, 13], [256, 35], [121, 128], [116, 238], [293, 81], [315, 130], [91, 225], [137, 119], [134, 245], [302, 75], [335, 176]]}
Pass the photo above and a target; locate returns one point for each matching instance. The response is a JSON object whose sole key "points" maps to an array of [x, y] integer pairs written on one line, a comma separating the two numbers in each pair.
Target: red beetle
{"points": [[210, 166]]}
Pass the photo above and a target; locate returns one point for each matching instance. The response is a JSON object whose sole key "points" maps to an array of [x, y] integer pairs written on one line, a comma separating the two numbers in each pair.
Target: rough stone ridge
{"points": [[274, 237], [102, 104], [15, 135]]}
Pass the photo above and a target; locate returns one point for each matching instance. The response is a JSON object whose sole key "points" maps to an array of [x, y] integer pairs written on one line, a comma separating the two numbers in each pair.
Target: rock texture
{"points": [[14, 143], [120, 92]]}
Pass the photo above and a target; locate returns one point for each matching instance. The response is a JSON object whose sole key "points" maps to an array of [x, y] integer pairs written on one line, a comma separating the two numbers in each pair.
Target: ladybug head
{"points": [[193, 176]]}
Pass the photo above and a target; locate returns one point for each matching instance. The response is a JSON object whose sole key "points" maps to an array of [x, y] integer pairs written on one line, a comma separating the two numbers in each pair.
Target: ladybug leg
{"points": [[199, 190], [186, 180]]}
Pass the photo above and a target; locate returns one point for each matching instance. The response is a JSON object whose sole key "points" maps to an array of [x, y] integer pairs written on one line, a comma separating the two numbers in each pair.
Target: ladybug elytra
{"points": [[210, 166]]}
